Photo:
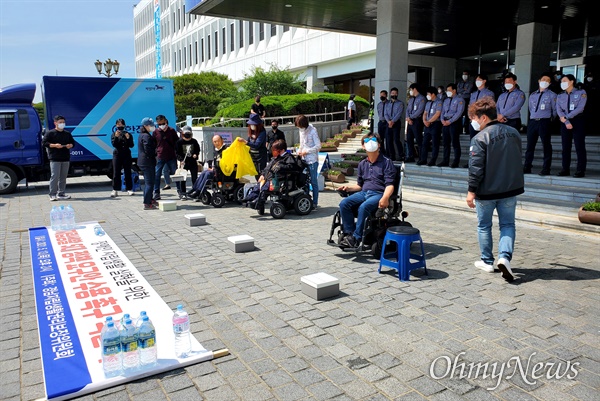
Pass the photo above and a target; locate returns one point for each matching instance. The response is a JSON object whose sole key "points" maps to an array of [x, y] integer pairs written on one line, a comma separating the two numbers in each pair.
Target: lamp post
{"points": [[109, 67]]}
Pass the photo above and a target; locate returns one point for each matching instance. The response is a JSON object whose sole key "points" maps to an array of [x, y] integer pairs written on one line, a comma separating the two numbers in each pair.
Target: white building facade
{"points": [[338, 62]]}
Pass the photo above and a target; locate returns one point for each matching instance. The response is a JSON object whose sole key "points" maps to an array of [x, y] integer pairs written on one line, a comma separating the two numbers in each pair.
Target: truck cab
{"points": [[20, 135]]}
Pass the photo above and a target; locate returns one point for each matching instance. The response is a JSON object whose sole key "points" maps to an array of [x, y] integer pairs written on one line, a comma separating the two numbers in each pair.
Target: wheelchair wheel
{"points": [[238, 194], [260, 208], [303, 204], [277, 210], [205, 198], [376, 248], [218, 200]]}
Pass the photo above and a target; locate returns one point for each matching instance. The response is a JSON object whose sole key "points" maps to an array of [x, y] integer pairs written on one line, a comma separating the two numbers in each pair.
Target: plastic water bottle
{"points": [[111, 351], [181, 328], [63, 218], [54, 218], [69, 217], [123, 319], [140, 319], [98, 230], [129, 345], [147, 342], [108, 319]]}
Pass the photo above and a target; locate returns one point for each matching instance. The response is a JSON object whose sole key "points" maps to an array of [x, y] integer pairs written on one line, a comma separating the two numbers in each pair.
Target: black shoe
{"points": [[409, 160], [579, 174], [454, 165], [431, 163], [564, 173], [526, 170], [544, 172], [443, 164], [348, 241], [421, 163], [193, 194], [466, 165]]}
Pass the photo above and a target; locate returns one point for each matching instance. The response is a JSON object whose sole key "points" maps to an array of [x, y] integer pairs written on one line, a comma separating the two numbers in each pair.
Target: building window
{"points": [[273, 30], [190, 54], [174, 61], [179, 19], [183, 14], [208, 47], [223, 41], [216, 43], [286, 28], [261, 31], [195, 52], [202, 49], [231, 37], [179, 58], [250, 33], [241, 34]]}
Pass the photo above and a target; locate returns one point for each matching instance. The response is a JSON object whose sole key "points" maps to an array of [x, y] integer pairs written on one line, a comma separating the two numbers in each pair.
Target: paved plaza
{"points": [[378, 340]]}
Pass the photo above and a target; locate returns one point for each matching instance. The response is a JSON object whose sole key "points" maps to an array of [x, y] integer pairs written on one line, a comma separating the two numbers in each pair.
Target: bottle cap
{"points": [[127, 321], [179, 307]]}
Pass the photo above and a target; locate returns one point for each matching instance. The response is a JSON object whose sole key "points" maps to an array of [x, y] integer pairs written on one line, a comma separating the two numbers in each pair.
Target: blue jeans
{"points": [[367, 202], [149, 178], [166, 166], [506, 218], [200, 183], [314, 181]]}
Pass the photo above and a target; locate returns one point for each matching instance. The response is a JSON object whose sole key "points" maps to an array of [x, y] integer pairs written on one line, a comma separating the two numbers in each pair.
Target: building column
{"points": [[391, 63], [314, 84], [532, 58]]}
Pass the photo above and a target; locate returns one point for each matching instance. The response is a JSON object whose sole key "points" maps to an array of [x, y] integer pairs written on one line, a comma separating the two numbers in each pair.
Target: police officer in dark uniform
{"points": [[569, 107], [433, 127], [510, 102], [542, 108], [381, 123], [414, 121]]}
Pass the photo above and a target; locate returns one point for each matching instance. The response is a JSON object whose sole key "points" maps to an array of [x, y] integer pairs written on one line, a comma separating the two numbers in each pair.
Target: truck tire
{"points": [[8, 180]]}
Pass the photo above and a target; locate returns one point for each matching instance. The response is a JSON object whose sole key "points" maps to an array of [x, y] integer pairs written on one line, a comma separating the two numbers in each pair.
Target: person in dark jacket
{"points": [[273, 135], [147, 160], [122, 141], [257, 137], [187, 150], [58, 143], [166, 137], [495, 180], [209, 173]]}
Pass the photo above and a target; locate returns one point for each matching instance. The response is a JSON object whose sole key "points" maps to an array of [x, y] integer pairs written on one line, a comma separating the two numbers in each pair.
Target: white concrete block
{"points": [[167, 205], [320, 286], [196, 219], [241, 243]]}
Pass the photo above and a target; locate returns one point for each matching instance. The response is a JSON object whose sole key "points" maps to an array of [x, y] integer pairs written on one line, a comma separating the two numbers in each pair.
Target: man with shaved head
{"points": [[208, 174]]}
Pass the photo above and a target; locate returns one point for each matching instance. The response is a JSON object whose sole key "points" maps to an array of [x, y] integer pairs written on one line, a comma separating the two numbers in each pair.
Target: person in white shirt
{"points": [[309, 151]]}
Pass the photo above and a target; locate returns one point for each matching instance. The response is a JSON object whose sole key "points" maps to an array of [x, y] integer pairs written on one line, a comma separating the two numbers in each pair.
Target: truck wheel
{"points": [[8, 180]]}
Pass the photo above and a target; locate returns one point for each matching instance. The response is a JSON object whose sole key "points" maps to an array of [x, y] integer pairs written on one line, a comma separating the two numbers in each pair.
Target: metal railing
{"points": [[324, 117]]}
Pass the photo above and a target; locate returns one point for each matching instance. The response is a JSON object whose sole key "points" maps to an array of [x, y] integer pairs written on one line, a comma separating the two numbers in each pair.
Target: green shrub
{"points": [[341, 165], [591, 206]]}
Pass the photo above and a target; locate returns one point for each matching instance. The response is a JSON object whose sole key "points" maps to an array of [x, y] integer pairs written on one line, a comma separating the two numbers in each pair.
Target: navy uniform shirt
{"points": [[381, 110], [571, 105], [509, 103], [416, 105], [376, 176], [394, 110], [480, 94], [432, 107], [464, 88], [453, 108], [542, 104]]}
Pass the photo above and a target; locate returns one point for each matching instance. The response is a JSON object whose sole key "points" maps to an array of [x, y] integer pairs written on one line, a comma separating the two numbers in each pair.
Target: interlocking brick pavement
{"points": [[376, 341]]}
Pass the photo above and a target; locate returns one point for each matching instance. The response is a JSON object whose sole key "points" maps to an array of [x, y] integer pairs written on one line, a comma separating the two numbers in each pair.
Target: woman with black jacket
{"points": [[187, 150], [122, 141]]}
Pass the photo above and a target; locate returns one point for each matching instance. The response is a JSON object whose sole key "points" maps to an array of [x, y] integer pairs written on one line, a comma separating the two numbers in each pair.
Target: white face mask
{"points": [[564, 85], [302, 130], [476, 126], [544, 84], [428, 97], [61, 126], [253, 127], [508, 86], [478, 83], [589, 79], [371, 146], [411, 92], [449, 93], [465, 77], [162, 127], [439, 91], [150, 128]]}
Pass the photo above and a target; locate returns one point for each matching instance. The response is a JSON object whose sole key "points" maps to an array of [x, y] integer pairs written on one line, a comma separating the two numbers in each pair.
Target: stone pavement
{"points": [[376, 341]]}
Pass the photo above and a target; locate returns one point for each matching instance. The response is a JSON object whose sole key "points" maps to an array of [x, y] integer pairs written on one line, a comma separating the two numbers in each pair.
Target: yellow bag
{"points": [[238, 153]]}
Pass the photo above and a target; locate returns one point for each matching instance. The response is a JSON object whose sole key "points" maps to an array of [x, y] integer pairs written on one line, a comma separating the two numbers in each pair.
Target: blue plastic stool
{"points": [[399, 259]]}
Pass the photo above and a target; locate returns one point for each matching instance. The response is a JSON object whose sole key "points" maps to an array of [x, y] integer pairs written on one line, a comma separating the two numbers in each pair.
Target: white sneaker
{"points": [[504, 267], [480, 264], [130, 193], [53, 198], [113, 194]]}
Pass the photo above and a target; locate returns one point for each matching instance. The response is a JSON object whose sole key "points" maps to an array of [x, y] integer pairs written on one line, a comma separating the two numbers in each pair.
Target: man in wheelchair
{"points": [[374, 187], [281, 175], [209, 173]]}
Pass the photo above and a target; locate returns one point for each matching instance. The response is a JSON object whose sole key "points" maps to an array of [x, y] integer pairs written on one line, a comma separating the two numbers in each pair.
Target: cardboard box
{"points": [[320, 286], [196, 219], [167, 205], [241, 243]]}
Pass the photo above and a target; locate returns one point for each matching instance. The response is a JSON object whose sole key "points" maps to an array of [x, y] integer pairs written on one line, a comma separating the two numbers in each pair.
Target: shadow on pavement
{"points": [[560, 272]]}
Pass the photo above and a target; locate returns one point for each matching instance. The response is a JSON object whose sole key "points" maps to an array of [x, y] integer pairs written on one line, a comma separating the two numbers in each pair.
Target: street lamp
{"points": [[109, 67]]}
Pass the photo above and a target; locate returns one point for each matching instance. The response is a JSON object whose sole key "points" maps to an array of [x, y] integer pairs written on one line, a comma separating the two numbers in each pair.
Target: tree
{"points": [[39, 107], [200, 94]]}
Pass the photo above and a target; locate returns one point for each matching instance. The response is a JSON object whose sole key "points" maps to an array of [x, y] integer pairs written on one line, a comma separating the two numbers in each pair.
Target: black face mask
{"points": [[187, 135], [122, 129], [394, 97], [382, 98], [274, 127]]}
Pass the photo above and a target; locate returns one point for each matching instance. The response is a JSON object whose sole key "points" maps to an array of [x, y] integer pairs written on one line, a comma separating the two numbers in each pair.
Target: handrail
{"points": [[282, 119]]}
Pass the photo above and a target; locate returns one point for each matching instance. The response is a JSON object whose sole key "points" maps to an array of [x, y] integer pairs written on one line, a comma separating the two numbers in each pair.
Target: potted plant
{"points": [[340, 137], [348, 133], [335, 176], [356, 129], [345, 168], [589, 212], [329, 146], [354, 159]]}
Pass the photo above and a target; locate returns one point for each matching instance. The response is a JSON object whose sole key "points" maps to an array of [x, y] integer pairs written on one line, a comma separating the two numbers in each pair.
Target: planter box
{"points": [[328, 149], [347, 171], [336, 178], [357, 132], [343, 139], [349, 134], [588, 217], [353, 163]]}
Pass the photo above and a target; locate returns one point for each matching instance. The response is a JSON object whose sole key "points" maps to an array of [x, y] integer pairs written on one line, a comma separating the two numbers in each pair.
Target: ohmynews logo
{"points": [[505, 370]]}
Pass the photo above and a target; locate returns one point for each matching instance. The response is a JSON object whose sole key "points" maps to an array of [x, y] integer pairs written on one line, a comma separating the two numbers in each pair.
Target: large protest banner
{"points": [[80, 278]]}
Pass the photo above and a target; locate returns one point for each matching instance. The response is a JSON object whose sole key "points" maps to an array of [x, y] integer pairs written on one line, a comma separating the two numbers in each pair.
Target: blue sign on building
{"points": [[157, 36]]}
